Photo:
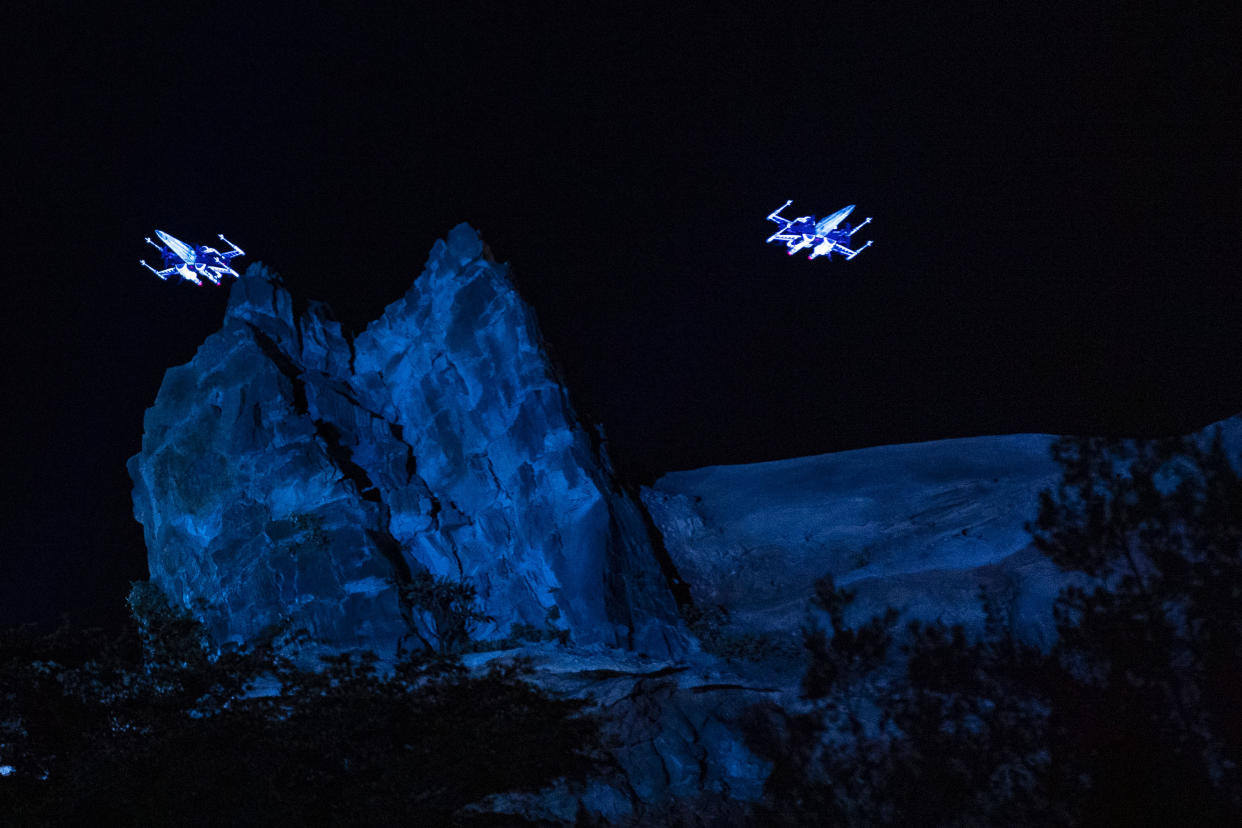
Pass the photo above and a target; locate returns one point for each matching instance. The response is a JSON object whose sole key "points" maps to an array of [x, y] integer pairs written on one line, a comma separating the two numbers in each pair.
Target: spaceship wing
{"points": [[163, 274], [849, 254]]}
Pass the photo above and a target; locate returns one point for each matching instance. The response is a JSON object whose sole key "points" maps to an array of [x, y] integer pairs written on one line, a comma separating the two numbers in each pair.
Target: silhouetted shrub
{"points": [[709, 623], [1151, 656], [443, 612], [100, 731], [1133, 716]]}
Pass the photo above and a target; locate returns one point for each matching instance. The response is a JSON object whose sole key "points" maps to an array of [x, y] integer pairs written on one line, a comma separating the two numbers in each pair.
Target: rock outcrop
{"points": [[291, 475], [921, 527], [924, 528], [673, 736]]}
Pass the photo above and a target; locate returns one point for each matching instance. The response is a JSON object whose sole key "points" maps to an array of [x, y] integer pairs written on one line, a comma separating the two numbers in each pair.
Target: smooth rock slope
{"points": [[925, 528]]}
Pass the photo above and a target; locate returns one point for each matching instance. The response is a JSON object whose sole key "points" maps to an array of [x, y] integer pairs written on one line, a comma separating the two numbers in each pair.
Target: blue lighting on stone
{"points": [[290, 474]]}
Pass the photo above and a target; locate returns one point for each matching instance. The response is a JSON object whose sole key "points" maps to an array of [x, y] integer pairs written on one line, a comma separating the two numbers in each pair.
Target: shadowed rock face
{"points": [[289, 474]]}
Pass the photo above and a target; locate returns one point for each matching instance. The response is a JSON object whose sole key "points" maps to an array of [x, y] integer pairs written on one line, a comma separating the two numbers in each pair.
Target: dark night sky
{"points": [[1055, 202]]}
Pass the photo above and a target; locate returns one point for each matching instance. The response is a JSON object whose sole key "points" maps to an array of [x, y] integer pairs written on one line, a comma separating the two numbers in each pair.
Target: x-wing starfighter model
{"points": [[824, 237], [191, 261]]}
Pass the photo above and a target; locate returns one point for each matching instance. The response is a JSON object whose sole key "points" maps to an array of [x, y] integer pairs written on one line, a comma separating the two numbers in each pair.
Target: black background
{"points": [[1055, 201]]}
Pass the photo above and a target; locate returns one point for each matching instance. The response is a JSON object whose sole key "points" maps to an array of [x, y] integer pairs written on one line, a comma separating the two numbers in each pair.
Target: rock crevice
{"points": [[439, 439]]}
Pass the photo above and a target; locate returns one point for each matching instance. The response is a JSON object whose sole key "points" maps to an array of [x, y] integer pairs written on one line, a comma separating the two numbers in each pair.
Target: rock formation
{"points": [[921, 527], [289, 475], [292, 474], [924, 528]]}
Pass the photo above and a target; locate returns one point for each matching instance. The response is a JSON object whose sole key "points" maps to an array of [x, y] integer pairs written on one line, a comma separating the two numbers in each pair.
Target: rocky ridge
{"points": [[291, 475]]}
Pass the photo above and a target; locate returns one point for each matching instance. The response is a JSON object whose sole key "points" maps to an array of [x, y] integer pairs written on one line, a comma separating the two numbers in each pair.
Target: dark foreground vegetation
{"points": [[153, 729], [1134, 716]]}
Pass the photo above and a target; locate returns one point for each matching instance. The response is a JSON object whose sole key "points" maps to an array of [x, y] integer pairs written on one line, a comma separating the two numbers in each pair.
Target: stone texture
{"points": [[671, 731], [288, 474], [293, 474], [923, 527]]}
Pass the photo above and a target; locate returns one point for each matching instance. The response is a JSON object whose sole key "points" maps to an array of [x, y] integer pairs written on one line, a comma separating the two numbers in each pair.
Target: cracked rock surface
{"points": [[289, 474]]}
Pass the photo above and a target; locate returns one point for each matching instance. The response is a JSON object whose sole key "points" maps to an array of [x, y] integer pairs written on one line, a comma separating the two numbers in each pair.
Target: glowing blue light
{"points": [[190, 262], [825, 237]]}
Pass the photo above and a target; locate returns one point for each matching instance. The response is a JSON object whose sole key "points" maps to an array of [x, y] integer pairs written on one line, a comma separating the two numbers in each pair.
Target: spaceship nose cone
{"points": [[831, 222]]}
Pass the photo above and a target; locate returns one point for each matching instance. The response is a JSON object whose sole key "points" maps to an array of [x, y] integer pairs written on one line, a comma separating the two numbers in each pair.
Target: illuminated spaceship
{"points": [[826, 236], [192, 261]]}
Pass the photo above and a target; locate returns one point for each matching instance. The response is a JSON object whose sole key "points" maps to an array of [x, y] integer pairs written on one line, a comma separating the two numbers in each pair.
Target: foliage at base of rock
{"points": [[711, 626], [1131, 718], [444, 612], [99, 731]]}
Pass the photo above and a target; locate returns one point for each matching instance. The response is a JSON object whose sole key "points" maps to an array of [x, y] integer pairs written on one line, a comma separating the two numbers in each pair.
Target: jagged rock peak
{"points": [[260, 298], [289, 474]]}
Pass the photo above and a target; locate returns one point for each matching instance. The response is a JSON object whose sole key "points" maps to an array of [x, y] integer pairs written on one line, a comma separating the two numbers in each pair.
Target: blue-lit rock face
{"points": [[921, 527], [292, 474], [289, 475], [925, 528]]}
